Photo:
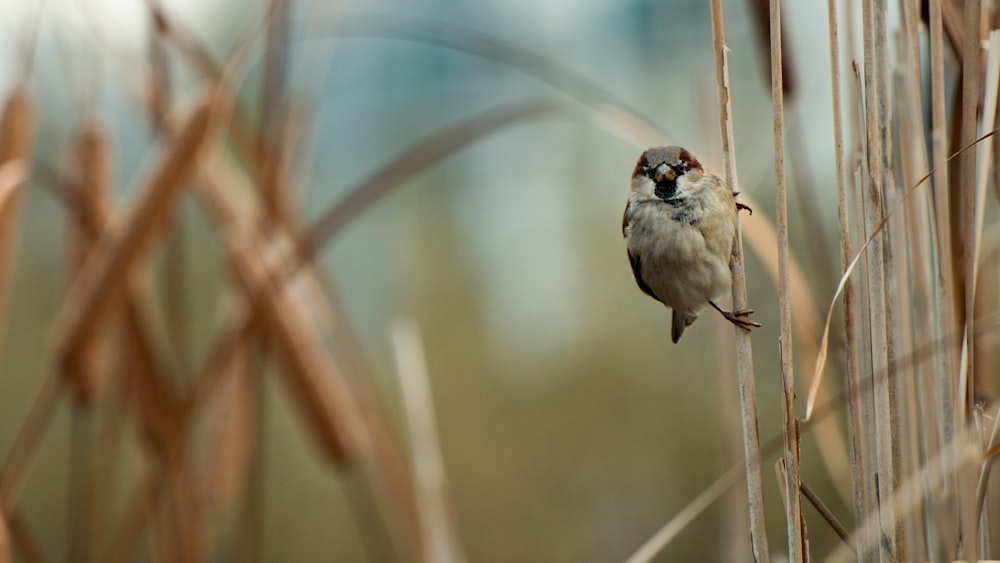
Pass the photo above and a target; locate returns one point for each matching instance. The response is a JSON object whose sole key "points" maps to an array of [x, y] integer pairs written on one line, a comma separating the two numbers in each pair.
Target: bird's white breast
{"points": [[685, 263]]}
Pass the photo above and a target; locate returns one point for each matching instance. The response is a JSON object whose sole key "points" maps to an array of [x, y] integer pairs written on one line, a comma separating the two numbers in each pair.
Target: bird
{"points": [[679, 225]]}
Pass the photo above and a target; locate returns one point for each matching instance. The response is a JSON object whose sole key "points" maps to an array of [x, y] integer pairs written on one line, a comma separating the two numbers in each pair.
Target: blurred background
{"points": [[571, 429]]}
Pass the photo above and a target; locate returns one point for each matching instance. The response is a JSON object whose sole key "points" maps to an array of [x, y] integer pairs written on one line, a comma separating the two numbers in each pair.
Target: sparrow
{"points": [[679, 226]]}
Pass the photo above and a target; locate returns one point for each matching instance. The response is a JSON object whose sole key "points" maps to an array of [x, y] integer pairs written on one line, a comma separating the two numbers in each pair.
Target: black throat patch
{"points": [[666, 190], [682, 210]]}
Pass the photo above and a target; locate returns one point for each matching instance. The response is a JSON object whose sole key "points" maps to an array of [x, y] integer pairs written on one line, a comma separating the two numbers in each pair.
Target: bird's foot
{"points": [[742, 206], [738, 318]]}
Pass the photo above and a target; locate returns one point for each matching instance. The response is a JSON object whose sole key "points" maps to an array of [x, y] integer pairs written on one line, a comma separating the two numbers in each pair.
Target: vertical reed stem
{"points": [[793, 506], [876, 126], [944, 365], [970, 105], [744, 350], [859, 461]]}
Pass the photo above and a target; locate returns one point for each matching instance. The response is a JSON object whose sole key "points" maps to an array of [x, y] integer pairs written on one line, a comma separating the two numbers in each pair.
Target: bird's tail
{"points": [[680, 322]]}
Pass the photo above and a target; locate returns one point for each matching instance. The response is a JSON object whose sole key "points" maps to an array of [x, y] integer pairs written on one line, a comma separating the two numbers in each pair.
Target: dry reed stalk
{"points": [[713, 492], [918, 392], [17, 124], [439, 538], [904, 282], [825, 512], [987, 291], [945, 314], [961, 453], [876, 180], [952, 14], [971, 88], [987, 465], [824, 345], [823, 410], [797, 538], [863, 305], [914, 323], [987, 122], [945, 470], [859, 461], [744, 350]]}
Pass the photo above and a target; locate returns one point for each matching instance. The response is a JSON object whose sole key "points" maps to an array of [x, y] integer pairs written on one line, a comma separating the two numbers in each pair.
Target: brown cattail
{"points": [[87, 304], [93, 165], [16, 131]]}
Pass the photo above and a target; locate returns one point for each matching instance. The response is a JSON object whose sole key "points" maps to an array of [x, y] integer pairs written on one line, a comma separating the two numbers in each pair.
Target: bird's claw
{"points": [[738, 319], [742, 206]]}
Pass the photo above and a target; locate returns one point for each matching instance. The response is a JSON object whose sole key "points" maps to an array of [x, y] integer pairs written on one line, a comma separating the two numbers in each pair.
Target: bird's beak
{"points": [[664, 173]]}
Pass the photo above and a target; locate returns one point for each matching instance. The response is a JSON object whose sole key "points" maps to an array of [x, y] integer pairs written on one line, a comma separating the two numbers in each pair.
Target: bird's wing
{"points": [[634, 260], [636, 271]]}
